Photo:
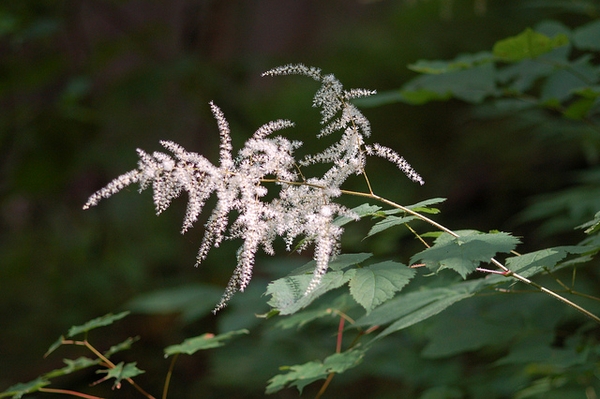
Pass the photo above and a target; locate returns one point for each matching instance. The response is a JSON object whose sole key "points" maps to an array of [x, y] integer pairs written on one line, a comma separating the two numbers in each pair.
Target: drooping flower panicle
{"points": [[303, 207]]}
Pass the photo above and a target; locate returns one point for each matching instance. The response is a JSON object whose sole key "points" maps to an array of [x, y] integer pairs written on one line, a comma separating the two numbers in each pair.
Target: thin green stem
{"points": [[109, 364], [505, 270], [568, 289], [338, 349], [168, 378], [553, 294]]}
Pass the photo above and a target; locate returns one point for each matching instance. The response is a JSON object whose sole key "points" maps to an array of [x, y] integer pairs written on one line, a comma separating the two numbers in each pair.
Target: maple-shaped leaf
{"points": [[375, 284], [464, 253], [120, 372]]}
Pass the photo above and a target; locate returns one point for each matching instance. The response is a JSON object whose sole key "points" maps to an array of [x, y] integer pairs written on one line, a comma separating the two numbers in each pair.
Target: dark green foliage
{"points": [[412, 321], [300, 376], [463, 254]]}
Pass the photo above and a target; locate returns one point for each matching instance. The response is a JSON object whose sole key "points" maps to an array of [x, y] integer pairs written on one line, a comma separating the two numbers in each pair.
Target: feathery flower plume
{"points": [[302, 208]]}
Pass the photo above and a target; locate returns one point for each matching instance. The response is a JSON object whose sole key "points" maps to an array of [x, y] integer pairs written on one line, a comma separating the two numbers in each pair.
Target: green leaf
{"points": [[427, 311], [587, 37], [72, 366], [299, 319], [574, 77], [202, 342], [408, 309], [579, 109], [592, 226], [120, 372], [389, 221], [534, 262], [463, 254], [527, 45], [471, 85], [522, 76], [541, 351], [55, 345], [424, 206], [340, 262], [464, 61], [375, 284], [300, 376], [420, 96], [18, 390], [288, 294], [492, 324], [361, 210], [95, 323], [121, 347]]}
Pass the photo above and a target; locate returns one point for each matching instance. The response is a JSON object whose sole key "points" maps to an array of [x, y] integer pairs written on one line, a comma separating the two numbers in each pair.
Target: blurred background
{"points": [[83, 83]]}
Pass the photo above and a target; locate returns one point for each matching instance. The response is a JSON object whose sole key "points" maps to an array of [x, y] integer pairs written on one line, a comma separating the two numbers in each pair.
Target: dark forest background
{"points": [[83, 83]]}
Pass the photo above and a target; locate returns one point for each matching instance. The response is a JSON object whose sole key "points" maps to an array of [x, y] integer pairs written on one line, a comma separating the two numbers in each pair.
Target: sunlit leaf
{"points": [[425, 206], [391, 221], [95, 323], [201, 342], [465, 253], [526, 45], [375, 284], [288, 294], [300, 376], [579, 109]]}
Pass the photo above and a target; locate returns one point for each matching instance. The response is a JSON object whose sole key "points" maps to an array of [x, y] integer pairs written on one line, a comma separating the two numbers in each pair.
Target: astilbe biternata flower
{"points": [[303, 207]]}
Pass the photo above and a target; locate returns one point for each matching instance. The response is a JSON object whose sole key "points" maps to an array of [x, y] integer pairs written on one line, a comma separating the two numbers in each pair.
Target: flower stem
{"points": [[504, 270]]}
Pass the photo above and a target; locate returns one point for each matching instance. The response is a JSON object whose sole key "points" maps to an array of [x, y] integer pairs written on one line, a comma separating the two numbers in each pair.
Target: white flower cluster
{"points": [[303, 208]]}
